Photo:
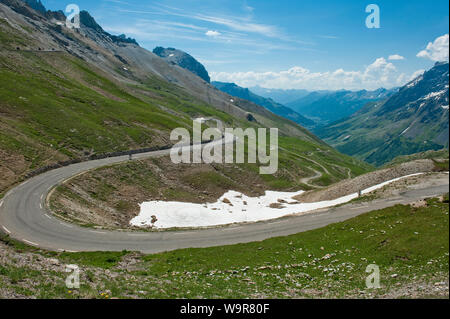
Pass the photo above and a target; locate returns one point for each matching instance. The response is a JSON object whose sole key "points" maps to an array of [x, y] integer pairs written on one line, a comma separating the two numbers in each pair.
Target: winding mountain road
{"points": [[24, 216]]}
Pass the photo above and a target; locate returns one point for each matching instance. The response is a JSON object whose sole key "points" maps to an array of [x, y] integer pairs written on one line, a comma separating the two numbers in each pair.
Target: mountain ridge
{"points": [[415, 119], [279, 95], [277, 108], [183, 60]]}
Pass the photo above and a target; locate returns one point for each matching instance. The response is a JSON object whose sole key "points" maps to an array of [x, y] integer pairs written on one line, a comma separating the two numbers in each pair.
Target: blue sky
{"points": [[312, 44]]}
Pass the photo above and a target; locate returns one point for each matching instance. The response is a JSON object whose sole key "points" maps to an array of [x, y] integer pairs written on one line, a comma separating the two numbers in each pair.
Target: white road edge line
{"points": [[40, 205], [6, 229], [277, 222], [66, 225], [66, 251], [46, 215], [1, 203], [9, 193], [30, 242]]}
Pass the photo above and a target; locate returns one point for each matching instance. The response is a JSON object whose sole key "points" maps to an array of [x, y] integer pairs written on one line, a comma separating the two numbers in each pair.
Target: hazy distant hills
{"points": [[415, 119], [325, 107], [271, 105], [279, 95]]}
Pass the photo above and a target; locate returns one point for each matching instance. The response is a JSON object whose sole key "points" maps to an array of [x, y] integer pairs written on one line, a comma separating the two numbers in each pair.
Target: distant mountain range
{"points": [[415, 119], [271, 105], [183, 60], [325, 106], [281, 96]]}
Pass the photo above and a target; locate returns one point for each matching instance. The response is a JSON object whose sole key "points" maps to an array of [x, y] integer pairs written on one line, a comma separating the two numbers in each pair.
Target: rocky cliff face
{"points": [[183, 60], [36, 5], [89, 22]]}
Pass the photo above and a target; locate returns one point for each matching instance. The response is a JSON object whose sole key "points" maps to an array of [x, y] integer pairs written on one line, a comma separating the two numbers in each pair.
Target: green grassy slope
{"points": [[410, 246], [377, 140]]}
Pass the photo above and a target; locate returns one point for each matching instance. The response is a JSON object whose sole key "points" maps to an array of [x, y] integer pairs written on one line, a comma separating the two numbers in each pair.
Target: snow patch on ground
{"points": [[434, 95], [406, 130], [234, 207], [414, 82]]}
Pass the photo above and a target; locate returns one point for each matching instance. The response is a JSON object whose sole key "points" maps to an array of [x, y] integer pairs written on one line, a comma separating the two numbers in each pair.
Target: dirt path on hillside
{"points": [[354, 185], [307, 180], [317, 175]]}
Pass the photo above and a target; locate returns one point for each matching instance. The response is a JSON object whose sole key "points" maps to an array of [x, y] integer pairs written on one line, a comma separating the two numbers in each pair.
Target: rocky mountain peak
{"points": [[183, 60], [36, 5], [88, 21]]}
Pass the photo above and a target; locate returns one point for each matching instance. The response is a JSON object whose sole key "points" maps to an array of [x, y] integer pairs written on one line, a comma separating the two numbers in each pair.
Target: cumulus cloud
{"points": [[211, 33], [416, 74], [380, 73], [436, 51], [395, 57]]}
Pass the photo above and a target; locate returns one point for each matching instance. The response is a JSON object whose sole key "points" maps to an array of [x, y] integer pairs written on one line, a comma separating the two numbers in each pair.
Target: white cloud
{"points": [[380, 73], [248, 8], [416, 74], [213, 34], [437, 50], [396, 57], [239, 25]]}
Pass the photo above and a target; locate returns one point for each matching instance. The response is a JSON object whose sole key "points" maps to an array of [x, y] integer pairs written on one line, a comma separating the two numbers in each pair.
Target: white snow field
{"points": [[233, 207]]}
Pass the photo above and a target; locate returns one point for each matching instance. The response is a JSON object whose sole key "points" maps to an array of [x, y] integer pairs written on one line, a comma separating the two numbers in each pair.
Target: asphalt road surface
{"points": [[23, 216]]}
